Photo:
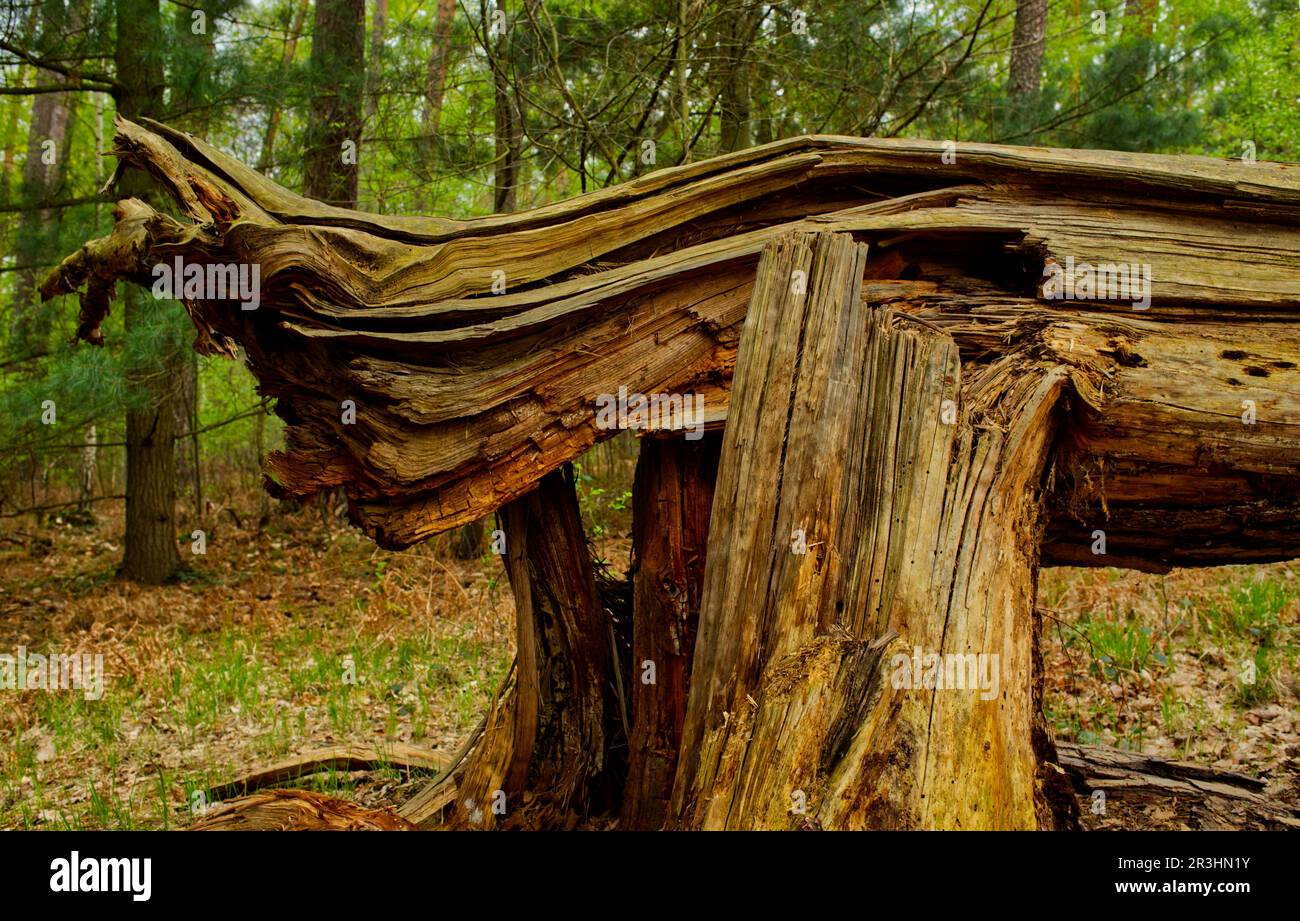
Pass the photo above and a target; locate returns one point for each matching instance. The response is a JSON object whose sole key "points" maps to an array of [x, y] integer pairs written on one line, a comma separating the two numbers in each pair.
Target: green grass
{"points": [[270, 690], [1239, 626], [1248, 624]]}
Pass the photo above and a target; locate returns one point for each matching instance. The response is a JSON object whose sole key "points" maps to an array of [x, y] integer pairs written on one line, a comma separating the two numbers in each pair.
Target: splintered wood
{"points": [[473, 352]]}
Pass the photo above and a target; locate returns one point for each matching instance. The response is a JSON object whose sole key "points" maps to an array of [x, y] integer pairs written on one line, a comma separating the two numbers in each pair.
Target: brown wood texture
{"points": [[341, 758], [854, 524], [467, 397], [672, 501], [298, 810], [542, 759], [1151, 793]]}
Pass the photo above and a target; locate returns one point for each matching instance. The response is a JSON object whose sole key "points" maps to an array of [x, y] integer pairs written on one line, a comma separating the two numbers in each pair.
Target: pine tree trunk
{"points": [[1028, 39], [43, 173], [151, 555], [737, 29], [338, 63], [507, 129]]}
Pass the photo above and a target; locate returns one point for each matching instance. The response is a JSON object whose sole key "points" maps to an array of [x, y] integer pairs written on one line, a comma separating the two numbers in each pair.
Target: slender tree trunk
{"points": [[151, 554], [185, 407], [680, 77], [435, 86], [86, 470], [1027, 43], [374, 86], [507, 129], [42, 175], [735, 76], [375, 72], [435, 89], [338, 64]]}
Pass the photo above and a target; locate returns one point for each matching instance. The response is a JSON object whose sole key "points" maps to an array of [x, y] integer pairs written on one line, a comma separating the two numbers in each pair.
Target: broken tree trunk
{"points": [[474, 350], [297, 810], [876, 519], [1121, 790], [1076, 357]]}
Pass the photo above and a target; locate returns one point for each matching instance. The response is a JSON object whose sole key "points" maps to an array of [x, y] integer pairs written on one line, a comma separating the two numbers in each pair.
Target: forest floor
{"points": [[301, 634]]}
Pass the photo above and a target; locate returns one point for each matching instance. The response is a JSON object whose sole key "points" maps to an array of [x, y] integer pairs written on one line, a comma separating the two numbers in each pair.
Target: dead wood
{"points": [[1141, 791], [474, 350], [298, 810], [338, 758], [945, 367]]}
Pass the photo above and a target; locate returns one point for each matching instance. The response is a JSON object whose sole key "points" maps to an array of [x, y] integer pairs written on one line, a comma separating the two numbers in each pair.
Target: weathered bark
{"points": [[1139, 791], [469, 397], [340, 759], [854, 525], [672, 499], [298, 810], [542, 758]]}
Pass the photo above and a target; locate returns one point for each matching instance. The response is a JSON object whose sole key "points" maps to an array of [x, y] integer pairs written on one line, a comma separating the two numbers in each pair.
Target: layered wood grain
{"points": [[466, 396]]}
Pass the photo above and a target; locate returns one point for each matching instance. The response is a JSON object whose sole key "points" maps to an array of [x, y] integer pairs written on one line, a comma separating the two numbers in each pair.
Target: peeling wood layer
{"points": [[467, 396]]}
